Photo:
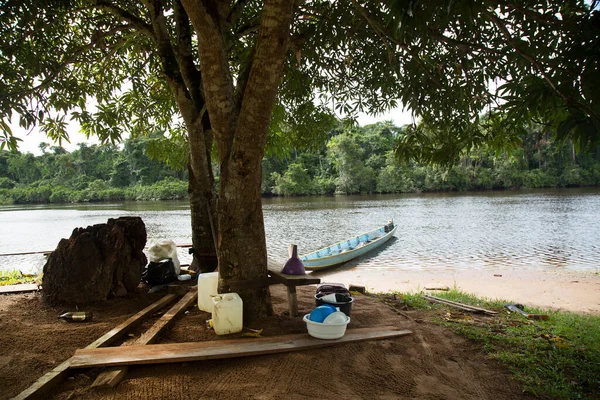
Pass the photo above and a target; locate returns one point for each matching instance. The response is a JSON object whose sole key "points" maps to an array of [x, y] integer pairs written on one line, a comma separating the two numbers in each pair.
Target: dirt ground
{"points": [[433, 363]]}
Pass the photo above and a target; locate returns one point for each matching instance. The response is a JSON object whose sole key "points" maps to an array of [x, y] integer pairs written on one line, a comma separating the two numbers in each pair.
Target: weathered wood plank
{"points": [[48, 380], [111, 377], [40, 387], [294, 280], [292, 301], [151, 334], [219, 349], [26, 253], [21, 288], [120, 330], [464, 307]]}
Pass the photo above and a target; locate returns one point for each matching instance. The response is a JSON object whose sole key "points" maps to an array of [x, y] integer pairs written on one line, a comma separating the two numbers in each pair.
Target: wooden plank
{"points": [[43, 384], [294, 280], [45, 252], [151, 334], [292, 301], [40, 387], [112, 377], [120, 330], [21, 288], [220, 349], [462, 306]]}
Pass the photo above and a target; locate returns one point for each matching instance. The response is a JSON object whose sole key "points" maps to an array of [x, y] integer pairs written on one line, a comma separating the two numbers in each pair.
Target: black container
{"points": [[329, 288], [345, 307]]}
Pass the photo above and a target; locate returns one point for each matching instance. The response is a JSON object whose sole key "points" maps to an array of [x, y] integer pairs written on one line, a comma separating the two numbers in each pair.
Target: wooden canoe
{"points": [[349, 249]]}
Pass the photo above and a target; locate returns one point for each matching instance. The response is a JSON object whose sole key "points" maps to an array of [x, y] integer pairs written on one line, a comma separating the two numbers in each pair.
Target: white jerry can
{"points": [[227, 316], [207, 288]]}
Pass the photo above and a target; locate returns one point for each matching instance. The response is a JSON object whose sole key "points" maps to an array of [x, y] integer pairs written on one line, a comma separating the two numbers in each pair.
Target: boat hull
{"points": [[346, 250]]}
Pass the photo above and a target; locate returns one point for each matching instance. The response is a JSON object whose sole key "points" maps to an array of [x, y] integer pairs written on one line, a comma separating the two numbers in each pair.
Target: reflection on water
{"points": [[557, 229]]}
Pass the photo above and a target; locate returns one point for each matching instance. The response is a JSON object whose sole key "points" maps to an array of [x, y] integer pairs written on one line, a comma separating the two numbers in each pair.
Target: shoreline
{"points": [[569, 291]]}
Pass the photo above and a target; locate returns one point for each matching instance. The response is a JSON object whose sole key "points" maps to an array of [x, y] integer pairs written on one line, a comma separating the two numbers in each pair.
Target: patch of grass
{"points": [[558, 358], [15, 277]]}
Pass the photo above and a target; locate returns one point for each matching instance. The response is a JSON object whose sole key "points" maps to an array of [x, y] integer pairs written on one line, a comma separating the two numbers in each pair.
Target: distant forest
{"points": [[355, 160]]}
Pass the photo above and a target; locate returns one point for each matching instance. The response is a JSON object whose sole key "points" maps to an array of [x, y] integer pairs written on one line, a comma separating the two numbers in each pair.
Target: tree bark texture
{"points": [[185, 83], [240, 129], [202, 204]]}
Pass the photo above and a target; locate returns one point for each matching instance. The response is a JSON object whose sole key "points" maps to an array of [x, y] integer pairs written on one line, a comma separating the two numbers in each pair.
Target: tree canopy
{"points": [[446, 61], [223, 73]]}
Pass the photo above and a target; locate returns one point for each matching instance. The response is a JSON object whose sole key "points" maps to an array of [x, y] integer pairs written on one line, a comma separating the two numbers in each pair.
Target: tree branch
{"points": [[216, 75], [235, 11], [383, 33], [545, 19], [264, 78], [536, 65], [125, 15], [70, 59], [184, 53]]}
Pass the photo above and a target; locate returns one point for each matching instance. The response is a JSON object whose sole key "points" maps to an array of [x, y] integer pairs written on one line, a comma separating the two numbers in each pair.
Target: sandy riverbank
{"points": [[566, 291], [430, 363]]}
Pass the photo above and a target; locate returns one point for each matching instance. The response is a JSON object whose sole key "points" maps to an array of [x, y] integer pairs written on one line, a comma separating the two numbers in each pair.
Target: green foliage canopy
{"points": [[446, 61]]}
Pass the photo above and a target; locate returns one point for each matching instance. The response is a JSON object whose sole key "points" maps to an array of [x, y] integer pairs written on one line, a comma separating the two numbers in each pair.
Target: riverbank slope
{"points": [[565, 291]]}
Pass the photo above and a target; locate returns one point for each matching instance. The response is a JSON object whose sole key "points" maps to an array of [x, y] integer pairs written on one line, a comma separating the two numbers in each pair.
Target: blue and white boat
{"points": [[348, 249]]}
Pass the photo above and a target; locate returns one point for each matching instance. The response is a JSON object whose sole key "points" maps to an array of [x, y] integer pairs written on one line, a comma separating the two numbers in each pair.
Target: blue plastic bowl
{"points": [[321, 312]]}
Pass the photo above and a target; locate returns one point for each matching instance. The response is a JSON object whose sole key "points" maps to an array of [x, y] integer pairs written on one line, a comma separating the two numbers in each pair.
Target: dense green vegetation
{"points": [[362, 160], [558, 358], [90, 173], [353, 160]]}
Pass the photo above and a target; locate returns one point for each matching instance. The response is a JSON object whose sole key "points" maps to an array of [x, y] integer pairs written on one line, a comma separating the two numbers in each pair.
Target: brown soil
{"points": [[433, 363]]}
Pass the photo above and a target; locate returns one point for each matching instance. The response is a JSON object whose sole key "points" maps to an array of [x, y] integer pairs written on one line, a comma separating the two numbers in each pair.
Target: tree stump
{"points": [[96, 262]]}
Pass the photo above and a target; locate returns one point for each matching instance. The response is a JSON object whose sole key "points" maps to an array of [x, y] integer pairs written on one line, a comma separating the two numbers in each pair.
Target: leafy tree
{"points": [[219, 65], [347, 155], [120, 175], [295, 181], [21, 167]]}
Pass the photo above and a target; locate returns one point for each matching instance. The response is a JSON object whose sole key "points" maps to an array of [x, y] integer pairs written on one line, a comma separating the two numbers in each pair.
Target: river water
{"points": [[541, 230]]}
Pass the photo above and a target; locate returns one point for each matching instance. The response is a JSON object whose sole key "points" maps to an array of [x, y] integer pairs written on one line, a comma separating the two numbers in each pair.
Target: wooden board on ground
{"points": [[220, 349], [112, 376], [39, 388], [464, 307], [44, 252], [21, 288]]}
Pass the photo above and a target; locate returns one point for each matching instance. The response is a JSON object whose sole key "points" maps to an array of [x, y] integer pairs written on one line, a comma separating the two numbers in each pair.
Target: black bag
{"points": [[159, 273]]}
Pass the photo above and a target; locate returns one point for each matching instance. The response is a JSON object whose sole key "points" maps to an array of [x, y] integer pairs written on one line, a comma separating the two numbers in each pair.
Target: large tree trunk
{"points": [[202, 203], [185, 83], [242, 246], [240, 120]]}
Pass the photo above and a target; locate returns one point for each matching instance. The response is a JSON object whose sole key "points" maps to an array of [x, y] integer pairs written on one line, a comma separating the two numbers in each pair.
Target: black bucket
{"points": [[345, 307], [329, 288]]}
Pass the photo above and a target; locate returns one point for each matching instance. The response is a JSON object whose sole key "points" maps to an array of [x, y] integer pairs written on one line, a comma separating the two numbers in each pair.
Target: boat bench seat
{"points": [[290, 281]]}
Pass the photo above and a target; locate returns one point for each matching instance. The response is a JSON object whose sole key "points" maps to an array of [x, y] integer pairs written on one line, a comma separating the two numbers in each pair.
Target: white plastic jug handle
{"points": [[228, 296]]}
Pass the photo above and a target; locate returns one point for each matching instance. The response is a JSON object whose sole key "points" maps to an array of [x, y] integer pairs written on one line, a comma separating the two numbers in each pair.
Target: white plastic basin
{"points": [[320, 330]]}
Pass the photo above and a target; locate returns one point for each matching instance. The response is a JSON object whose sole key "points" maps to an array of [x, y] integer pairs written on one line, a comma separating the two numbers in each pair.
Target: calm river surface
{"points": [[542, 230]]}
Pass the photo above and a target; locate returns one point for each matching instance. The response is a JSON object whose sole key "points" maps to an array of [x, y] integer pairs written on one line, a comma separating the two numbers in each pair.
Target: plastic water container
{"points": [[207, 287], [227, 316]]}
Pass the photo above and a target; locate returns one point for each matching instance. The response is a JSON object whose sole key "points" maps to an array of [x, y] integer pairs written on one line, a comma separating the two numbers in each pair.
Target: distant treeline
{"points": [[354, 160]]}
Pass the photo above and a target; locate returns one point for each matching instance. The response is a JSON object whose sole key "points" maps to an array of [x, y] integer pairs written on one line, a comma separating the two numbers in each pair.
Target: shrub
{"points": [[6, 183]]}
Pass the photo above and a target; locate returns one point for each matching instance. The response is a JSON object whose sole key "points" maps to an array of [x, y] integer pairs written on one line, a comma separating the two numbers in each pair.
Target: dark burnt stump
{"points": [[97, 262]]}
